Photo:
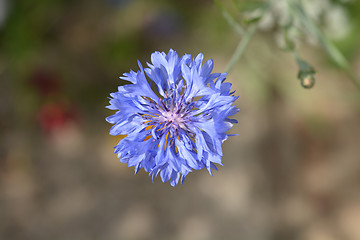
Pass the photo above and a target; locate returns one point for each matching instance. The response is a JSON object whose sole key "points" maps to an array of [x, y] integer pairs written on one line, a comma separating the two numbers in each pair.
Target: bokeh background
{"points": [[293, 172]]}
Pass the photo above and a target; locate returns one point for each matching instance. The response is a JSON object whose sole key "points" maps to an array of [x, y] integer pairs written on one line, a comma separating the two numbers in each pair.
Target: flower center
{"points": [[170, 115], [173, 119]]}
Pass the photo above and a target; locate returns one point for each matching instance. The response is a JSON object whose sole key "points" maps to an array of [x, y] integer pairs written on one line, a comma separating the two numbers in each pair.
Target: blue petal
{"points": [[157, 144]]}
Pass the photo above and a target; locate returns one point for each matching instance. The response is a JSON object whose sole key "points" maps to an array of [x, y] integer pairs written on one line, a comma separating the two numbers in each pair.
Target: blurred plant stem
{"points": [[231, 21], [331, 50], [240, 49], [245, 34]]}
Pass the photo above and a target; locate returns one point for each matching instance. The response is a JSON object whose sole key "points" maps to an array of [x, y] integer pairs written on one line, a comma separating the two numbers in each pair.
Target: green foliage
{"points": [[298, 18]]}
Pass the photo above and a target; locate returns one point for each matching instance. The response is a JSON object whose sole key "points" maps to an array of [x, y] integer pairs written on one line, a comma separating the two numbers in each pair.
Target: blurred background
{"points": [[292, 173]]}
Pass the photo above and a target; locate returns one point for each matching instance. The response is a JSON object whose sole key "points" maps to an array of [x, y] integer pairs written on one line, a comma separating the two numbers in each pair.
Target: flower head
{"points": [[174, 115]]}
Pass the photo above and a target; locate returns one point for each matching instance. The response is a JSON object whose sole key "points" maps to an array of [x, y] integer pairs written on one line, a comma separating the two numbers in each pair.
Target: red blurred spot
{"points": [[55, 116]]}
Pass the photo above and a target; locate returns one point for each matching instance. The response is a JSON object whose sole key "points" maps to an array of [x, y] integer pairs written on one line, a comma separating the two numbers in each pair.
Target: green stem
{"points": [[240, 49], [231, 21]]}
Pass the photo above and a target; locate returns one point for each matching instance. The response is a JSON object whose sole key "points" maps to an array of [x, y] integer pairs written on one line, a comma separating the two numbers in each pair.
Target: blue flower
{"points": [[174, 116]]}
